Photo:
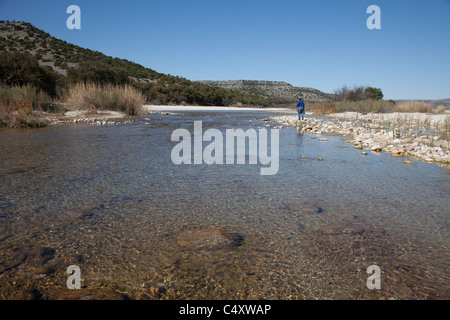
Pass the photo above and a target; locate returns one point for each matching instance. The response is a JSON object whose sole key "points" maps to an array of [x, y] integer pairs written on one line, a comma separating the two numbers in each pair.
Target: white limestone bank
{"points": [[424, 136]]}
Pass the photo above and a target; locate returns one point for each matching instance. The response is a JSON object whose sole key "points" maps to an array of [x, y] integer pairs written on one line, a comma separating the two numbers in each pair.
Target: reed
{"points": [[21, 106], [439, 109], [362, 106], [365, 106], [414, 106], [92, 97]]}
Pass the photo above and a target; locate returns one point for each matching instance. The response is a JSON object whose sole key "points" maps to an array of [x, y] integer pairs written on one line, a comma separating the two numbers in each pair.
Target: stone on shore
{"points": [[376, 148], [396, 151], [369, 131]]}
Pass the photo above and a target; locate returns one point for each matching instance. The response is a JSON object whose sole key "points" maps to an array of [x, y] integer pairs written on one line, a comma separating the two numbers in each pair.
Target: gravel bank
{"points": [[424, 136]]}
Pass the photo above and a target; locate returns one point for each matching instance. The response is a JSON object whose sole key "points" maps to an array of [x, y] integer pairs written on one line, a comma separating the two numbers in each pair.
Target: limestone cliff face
{"points": [[275, 89]]}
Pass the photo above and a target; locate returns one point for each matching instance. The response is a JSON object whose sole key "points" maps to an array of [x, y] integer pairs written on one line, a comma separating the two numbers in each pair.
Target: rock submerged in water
{"points": [[88, 294], [307, 207], [209, 239], [333, 229], [93, 206], [77, 214], [5, 204]]}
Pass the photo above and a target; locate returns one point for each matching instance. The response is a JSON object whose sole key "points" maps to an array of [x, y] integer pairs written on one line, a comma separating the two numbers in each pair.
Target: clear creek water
{"points": [[110, 200]]}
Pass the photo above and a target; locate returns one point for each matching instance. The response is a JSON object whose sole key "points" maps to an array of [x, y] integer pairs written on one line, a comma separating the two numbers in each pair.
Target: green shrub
{"points": [[373, 93], [98, 72], [358, 93], [20, 69]]}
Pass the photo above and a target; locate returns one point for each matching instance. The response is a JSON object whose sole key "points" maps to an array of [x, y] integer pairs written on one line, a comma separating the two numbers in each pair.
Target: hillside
{"points": [[159, 88], [58, 54], [272, 89], [62, 57]]}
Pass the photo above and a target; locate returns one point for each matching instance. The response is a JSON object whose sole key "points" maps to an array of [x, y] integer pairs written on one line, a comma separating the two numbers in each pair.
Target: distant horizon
{"points": [[446, 98], [322, 45]]}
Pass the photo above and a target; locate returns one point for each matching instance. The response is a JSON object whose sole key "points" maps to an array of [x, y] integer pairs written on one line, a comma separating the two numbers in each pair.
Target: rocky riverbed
{"points": [[100, 118], [418, 135], [104, 117]]}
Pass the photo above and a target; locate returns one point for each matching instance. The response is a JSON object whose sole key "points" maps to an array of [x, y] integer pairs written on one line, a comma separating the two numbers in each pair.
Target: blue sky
{"points": [[320, 44]]}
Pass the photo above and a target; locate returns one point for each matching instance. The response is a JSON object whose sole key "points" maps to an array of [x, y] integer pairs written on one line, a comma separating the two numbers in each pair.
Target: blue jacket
{"points": [[300, 104]]}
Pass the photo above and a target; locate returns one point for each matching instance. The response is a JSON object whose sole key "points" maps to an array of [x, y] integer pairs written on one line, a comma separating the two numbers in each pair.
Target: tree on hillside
{"points": [[19, 69], [98, 72]]}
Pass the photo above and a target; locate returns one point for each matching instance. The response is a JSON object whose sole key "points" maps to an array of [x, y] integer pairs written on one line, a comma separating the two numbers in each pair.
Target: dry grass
{"points": [[362, 106], [365, 106], [320, 107], [19, 114], [22, 93], [372, 106], [439, 109], [93, 97], [414, 106], [21, 106]]}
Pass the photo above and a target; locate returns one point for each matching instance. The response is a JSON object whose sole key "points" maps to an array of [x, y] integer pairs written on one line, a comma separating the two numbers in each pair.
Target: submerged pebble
{"points": [[334, 229], [209, 239], [305, 207]]}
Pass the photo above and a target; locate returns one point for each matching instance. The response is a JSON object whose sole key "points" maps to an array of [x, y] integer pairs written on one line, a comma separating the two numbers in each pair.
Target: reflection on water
{"points": [[110, 200]]}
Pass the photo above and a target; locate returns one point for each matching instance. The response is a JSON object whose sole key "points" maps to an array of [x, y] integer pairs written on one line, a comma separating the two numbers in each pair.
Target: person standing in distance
{"points": [[301, 108]]}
